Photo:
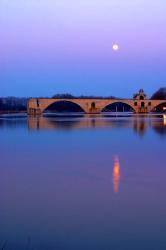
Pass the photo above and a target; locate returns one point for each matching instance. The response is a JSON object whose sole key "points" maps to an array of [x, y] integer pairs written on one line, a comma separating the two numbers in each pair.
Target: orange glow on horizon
{"points": [[116, 174]]}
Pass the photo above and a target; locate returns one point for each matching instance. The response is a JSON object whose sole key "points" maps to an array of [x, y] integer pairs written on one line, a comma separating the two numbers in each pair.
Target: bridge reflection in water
{"points": [[139, 123], [116, 174]]}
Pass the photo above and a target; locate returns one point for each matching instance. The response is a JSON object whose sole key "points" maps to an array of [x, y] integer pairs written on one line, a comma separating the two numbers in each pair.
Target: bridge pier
{"points": [[94, 111], [142, 110], [34, 111]]}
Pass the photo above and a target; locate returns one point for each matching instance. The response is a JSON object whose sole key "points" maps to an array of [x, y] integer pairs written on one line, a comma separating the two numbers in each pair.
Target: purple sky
{"points": [[57, 46]]}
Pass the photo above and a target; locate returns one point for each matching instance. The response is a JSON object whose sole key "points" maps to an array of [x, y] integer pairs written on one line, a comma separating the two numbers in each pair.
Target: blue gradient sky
{"points": [[52, 46]]}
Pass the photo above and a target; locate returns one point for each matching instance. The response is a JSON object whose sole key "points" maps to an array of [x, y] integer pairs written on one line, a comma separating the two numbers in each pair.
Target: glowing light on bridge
{"points": [[116, 174], [164, 108]]}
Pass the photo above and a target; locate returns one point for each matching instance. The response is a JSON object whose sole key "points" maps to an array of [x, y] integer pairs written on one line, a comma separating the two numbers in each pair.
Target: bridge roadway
{"points": [[37, 106]]}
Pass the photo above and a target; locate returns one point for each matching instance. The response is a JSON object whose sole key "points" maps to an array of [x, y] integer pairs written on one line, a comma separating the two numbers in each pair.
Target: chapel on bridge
{"points": [[140, 95]]}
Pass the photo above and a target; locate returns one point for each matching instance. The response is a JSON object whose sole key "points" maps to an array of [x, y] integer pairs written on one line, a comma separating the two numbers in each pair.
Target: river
{"points": [[83, 182]]}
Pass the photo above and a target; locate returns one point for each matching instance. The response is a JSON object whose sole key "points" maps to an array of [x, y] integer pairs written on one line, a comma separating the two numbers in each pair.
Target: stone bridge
{"points": [[139, 104]]}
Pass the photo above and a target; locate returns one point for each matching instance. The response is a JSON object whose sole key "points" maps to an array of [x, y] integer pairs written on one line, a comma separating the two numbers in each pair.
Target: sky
{"points": [[65, 46]]}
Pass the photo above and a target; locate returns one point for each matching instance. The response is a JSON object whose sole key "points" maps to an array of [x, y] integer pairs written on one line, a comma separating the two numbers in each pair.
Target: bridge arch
{"points": [[74, 105], [159, 106], [126, 103]]}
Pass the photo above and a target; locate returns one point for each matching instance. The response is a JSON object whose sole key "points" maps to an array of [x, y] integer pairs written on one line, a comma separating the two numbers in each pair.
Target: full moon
{"points": [[115, 47]]}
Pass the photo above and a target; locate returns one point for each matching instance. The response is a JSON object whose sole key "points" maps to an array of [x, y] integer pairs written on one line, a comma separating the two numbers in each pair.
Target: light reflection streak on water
{"points": [[116, 174], [164, 120]]}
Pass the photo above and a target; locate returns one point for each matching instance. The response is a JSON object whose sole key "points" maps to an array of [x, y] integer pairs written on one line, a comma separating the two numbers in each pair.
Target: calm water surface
{"points": [[83, 182]]}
